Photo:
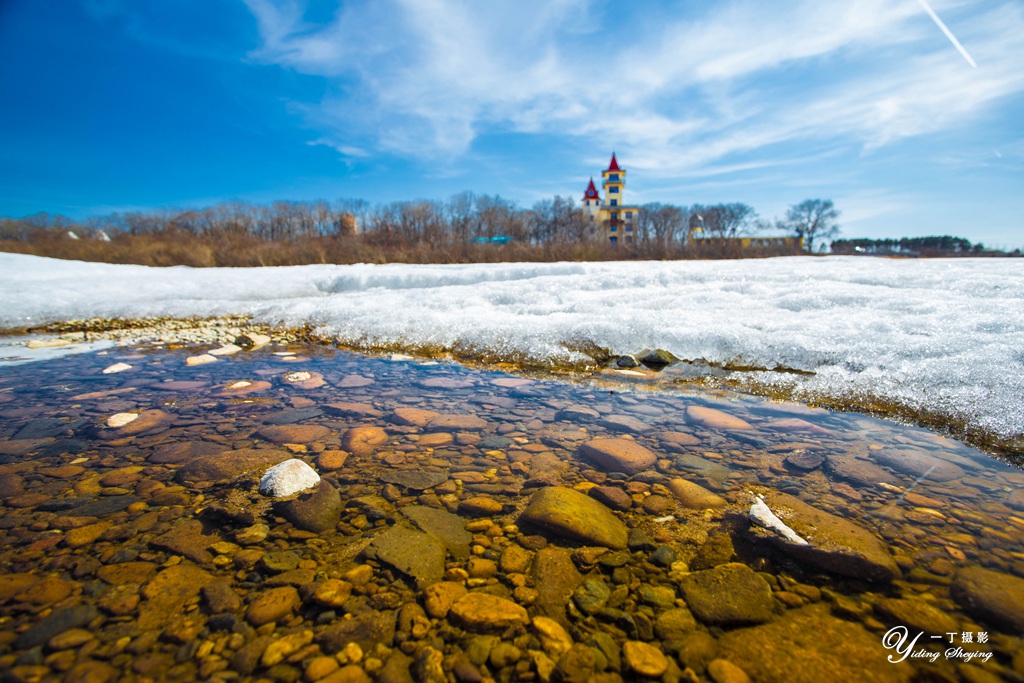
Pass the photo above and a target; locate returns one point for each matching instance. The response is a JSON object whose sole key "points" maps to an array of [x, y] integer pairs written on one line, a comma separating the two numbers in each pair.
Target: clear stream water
{"points": [[115, 567]]}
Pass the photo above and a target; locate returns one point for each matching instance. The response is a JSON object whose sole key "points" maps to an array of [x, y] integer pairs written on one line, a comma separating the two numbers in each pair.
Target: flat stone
{"points": [[414, 417], [292, 417], [417, 480], [715, 419], [228, 465], [273, 605], [918, 464], [858, 470], [836, 544], [353, 410], [991, 596], [288, 478], [363, 441], [487, 613], [571, 514], [304, 434], [456, 423], [808, 645], [183, 451], [694, 496], [449, 529], [317, 510], [624, 423], [577, 413], [730, 594], [414, 553], [618, 455]]}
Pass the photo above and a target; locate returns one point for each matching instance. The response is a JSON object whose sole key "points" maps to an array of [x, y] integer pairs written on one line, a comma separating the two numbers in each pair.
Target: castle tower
{"points": [[614, 184], [592, 202]]}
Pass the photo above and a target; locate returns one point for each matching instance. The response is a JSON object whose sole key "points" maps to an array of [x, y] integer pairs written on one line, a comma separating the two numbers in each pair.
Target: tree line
{"points": [[467, 227]]}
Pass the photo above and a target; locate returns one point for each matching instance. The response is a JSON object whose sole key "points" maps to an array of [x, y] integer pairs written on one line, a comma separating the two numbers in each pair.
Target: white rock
{"points": [[116, 367], [226, 350], [301, 376], [762, 515], [121, 419], [291, 476], [201, 359]]}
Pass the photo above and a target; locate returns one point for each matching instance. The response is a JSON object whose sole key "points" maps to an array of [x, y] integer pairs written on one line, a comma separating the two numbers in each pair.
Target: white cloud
{"points": [[425, 78]]}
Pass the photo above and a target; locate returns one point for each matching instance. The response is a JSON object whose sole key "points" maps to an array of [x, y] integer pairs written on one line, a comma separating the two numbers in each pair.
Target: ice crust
{"points": [[943, 335]]}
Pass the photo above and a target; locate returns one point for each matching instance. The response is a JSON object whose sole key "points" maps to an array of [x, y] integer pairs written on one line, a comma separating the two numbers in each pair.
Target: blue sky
{"points": [[113, 105]]}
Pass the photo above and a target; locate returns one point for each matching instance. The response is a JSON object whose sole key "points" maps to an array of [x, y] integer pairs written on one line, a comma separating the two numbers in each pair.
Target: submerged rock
{"points": [[317, 511], [288, 478], [573, 515], [991, 596], [730, 594], [414, 553], [618, 455], [808, 645], [715, 419], [694, 496], [835, 544], [483, 612]]}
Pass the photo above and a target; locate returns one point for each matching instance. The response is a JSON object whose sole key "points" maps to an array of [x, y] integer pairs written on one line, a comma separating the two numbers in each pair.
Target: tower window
{"points": [[614, 202], [613, 190], [613, 228], [613, 176]]}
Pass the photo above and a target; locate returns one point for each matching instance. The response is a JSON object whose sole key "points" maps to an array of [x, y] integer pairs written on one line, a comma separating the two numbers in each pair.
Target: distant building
{"points": [[611, 218]]}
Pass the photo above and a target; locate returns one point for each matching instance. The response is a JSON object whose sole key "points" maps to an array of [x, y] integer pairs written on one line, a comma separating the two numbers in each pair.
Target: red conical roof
{"points": [[614, 166], [591, 192]]}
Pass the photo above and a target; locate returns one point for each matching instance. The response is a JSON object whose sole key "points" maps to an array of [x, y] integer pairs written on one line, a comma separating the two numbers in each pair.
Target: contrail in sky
{"points": [[949, 34]]}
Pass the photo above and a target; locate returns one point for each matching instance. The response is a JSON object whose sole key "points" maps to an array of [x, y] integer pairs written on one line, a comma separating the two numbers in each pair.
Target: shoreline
{"points": [[199, 331]]}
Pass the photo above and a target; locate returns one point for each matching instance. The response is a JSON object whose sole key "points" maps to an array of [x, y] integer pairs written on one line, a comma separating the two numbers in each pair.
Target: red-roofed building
{"points": [[613, 215]]}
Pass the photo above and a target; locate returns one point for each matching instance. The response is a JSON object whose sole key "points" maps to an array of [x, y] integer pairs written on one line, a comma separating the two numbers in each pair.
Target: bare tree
{"points": [[812, 219]]}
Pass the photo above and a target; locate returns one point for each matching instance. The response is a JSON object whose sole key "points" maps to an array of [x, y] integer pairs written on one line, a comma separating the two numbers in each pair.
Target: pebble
{"points": [[273, 605], [484, 613], [644, 658]]}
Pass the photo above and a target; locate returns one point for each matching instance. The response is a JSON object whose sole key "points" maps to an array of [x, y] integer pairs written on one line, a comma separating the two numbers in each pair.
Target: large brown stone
{"points": [[318, 510], [229, 464], [487, 613], [574, 515], [415, 417], [917, 463], [730, 594], [715, 419], [835, 544], [293, 433], [273, 605], [618, 455], [456, 423]]}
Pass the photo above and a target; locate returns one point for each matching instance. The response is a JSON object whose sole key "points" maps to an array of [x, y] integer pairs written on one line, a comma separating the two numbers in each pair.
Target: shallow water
{"points": [[135, 553]]}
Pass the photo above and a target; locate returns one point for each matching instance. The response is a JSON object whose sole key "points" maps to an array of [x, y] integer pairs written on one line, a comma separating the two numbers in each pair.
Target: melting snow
{"points": [[941, 334]]}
